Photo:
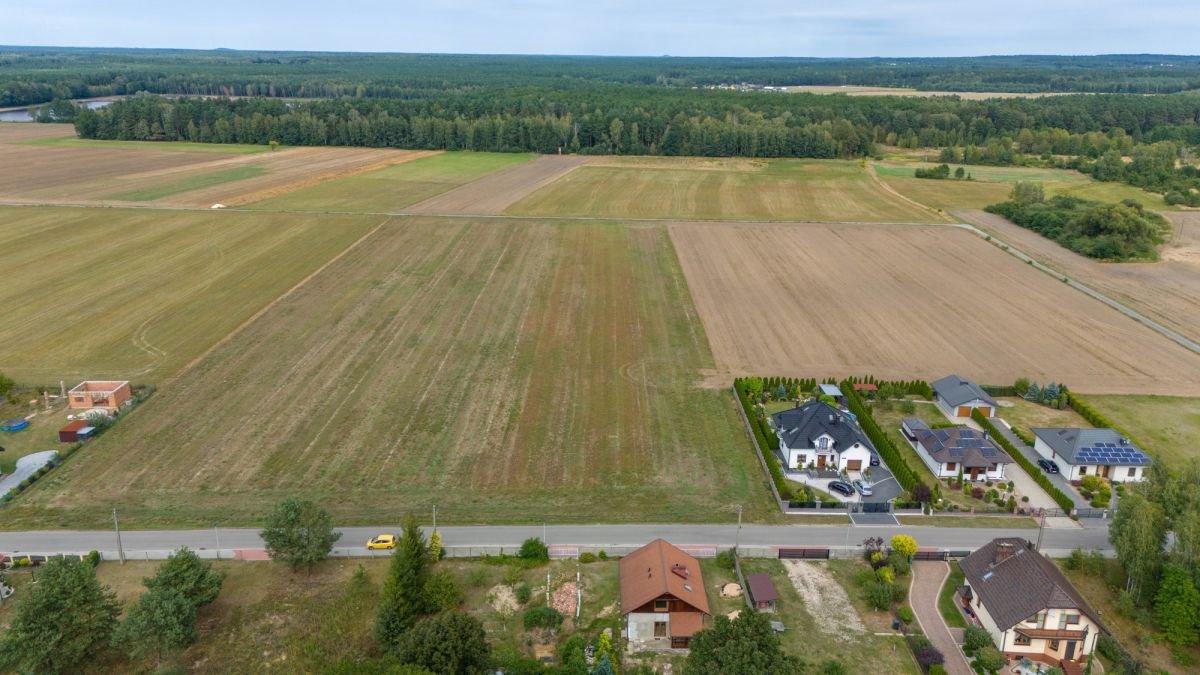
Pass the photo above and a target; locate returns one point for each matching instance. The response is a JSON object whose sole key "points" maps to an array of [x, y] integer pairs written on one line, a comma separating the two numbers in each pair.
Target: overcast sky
{"points": [[615, 27]]}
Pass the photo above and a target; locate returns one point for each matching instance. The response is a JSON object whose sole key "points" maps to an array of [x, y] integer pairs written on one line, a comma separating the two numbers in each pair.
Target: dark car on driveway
{"points": [[1048, 466], [874, 460], [841, 488]]}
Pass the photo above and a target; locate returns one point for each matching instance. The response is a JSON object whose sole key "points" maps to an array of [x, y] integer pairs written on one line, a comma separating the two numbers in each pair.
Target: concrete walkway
{"points": [[927, 580], [26, 467]]}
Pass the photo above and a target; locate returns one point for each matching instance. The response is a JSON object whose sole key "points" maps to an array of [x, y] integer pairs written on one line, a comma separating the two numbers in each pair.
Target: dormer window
{"points": [[822, 443]]}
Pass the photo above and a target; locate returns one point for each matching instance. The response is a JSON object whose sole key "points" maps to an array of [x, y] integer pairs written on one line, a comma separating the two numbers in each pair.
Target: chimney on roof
{"points": [[985, 434], [1004, 551], [680, 570], [832, 418], [1124, 441]]}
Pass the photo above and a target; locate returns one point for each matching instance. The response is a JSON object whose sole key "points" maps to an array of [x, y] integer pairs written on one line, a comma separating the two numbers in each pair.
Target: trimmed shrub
{"points": [[603, 555], [524, 593], [905, 614], [976, 638], [587, 557], [725, 559], [535, 550], [542, 617]]}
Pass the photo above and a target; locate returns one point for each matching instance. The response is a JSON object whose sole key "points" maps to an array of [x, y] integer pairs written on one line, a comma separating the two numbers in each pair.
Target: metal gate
{"points": [[803, 554]]}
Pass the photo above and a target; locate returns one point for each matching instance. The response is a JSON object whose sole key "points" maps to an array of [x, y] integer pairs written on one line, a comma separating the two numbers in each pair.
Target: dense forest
{"points": [[1092, 133], [31, 75]]}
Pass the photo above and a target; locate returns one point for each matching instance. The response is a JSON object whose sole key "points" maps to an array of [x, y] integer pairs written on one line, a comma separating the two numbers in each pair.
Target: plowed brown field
{"points": [[909, 302], [506, 371], [1167, 291]]}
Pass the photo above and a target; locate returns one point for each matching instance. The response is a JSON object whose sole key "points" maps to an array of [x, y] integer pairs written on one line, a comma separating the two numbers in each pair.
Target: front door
{"points": [[1070, 650], [1104, 471], [974, 473], [821, 461]]}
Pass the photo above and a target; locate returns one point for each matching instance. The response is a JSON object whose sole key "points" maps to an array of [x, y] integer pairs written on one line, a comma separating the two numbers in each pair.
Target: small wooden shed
{"points": [[70, 433], [762, 592]]}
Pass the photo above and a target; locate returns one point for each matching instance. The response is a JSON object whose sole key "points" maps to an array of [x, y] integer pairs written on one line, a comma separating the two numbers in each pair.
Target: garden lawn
{"points": [[1165, 426], [946, 604], [395, 187], [1027, 416], [804, 637]]}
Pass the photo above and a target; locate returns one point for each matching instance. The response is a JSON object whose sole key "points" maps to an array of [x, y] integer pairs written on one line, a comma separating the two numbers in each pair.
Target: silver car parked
{"points": [[863, 487]]}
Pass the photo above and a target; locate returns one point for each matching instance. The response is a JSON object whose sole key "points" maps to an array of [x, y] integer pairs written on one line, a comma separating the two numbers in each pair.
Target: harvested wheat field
{"points": [[721, 189], [909, 302], [1167, 291], [507, 371], [61, 172], [136, 294], [495, 192]]}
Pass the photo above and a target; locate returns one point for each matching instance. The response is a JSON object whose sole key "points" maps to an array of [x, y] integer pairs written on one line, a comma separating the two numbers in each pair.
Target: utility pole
{"points": [[120, 547], [217, 532], [1041, 529], [544, 540], [435, 517]]}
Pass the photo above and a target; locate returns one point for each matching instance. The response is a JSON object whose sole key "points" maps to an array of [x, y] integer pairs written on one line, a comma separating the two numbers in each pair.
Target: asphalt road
{"points": [[141, 542]]}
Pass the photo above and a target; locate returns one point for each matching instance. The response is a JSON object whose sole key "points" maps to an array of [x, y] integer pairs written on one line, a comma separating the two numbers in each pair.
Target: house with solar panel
{"points": [[951, 450], [1092, 452]]}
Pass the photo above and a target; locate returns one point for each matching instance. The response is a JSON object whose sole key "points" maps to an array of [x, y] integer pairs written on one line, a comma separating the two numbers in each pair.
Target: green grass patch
{"points": [[165, 146], [953, 616], [188, 184], [395, 187], [989, 174], [1166, 426]]}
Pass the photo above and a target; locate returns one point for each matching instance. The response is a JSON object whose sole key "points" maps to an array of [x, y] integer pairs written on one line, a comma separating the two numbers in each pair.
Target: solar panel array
{"points": [[1110, 453]]}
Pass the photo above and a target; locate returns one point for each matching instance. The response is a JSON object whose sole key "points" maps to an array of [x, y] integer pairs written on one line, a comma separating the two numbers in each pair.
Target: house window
{"points": [[1083, 471], [660, 629], [1054, 645], [951, 466], [801, 460], [1022, 640], [660, 605], [1072, 619], [1032, 619], [1132, 471], [822, 443]]}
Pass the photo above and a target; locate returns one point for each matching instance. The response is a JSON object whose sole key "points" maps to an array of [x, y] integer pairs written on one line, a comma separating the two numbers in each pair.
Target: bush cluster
{"points": [[1057, 495]]}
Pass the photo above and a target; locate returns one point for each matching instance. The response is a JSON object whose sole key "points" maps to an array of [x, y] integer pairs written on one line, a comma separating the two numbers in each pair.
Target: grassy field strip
{"points": [[393, 188], [188, 184], [128, 292], [179, 146], [504, 370], [1167, 425], [687, 189]]}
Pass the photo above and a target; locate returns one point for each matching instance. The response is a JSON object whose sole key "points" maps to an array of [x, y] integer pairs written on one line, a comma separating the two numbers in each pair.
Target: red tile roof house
{"points": [[663, 598], [1030, 609]]}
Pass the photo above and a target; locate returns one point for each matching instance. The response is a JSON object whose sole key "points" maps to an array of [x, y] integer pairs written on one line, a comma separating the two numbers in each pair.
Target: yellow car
{"points": [[383, 541]]}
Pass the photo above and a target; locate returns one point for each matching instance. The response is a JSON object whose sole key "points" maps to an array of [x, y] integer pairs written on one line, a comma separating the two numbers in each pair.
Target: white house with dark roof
{"points": [[1030, 609], [957, 397], [1092, 452], [822, 436], [952, 449]]}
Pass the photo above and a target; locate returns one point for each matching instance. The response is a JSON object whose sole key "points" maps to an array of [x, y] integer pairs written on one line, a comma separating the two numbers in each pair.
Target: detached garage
{"points": [[957, 397], [70, 433]]}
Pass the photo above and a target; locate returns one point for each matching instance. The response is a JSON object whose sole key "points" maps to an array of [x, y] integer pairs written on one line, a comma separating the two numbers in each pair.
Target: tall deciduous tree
{"points": [[744, 645], [1177, 606], [299, 533], [61, 621], [405, 596], [1137, 532]]}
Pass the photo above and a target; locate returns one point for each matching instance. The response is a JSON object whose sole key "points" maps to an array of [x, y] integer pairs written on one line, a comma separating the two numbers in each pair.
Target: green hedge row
{"points": [[1034, 472], [999, 389], [767, 440], [883, 444]]}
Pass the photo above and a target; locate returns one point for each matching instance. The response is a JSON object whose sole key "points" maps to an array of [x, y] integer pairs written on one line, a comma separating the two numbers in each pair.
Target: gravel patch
{"points": [[825, 599]]}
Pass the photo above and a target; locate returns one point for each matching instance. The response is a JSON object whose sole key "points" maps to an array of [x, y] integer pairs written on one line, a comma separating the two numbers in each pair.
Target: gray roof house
{"points": [[1029, 607], [957, 395], [1082, 452], [819, 434], [946, 451]]}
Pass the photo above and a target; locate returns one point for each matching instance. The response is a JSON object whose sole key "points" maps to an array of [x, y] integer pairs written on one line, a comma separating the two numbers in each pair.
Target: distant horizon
{"points": [[681, 28], [600, 56]]}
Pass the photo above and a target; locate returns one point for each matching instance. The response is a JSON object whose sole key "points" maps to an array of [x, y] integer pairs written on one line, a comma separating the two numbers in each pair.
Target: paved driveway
{"points": [[883, 484], [1056, 479], [26, 467], [927, 580]]}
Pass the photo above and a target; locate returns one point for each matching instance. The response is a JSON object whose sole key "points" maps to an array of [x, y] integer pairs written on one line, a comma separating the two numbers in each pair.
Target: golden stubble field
{"points": [[909, 302], [506, 371]]}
